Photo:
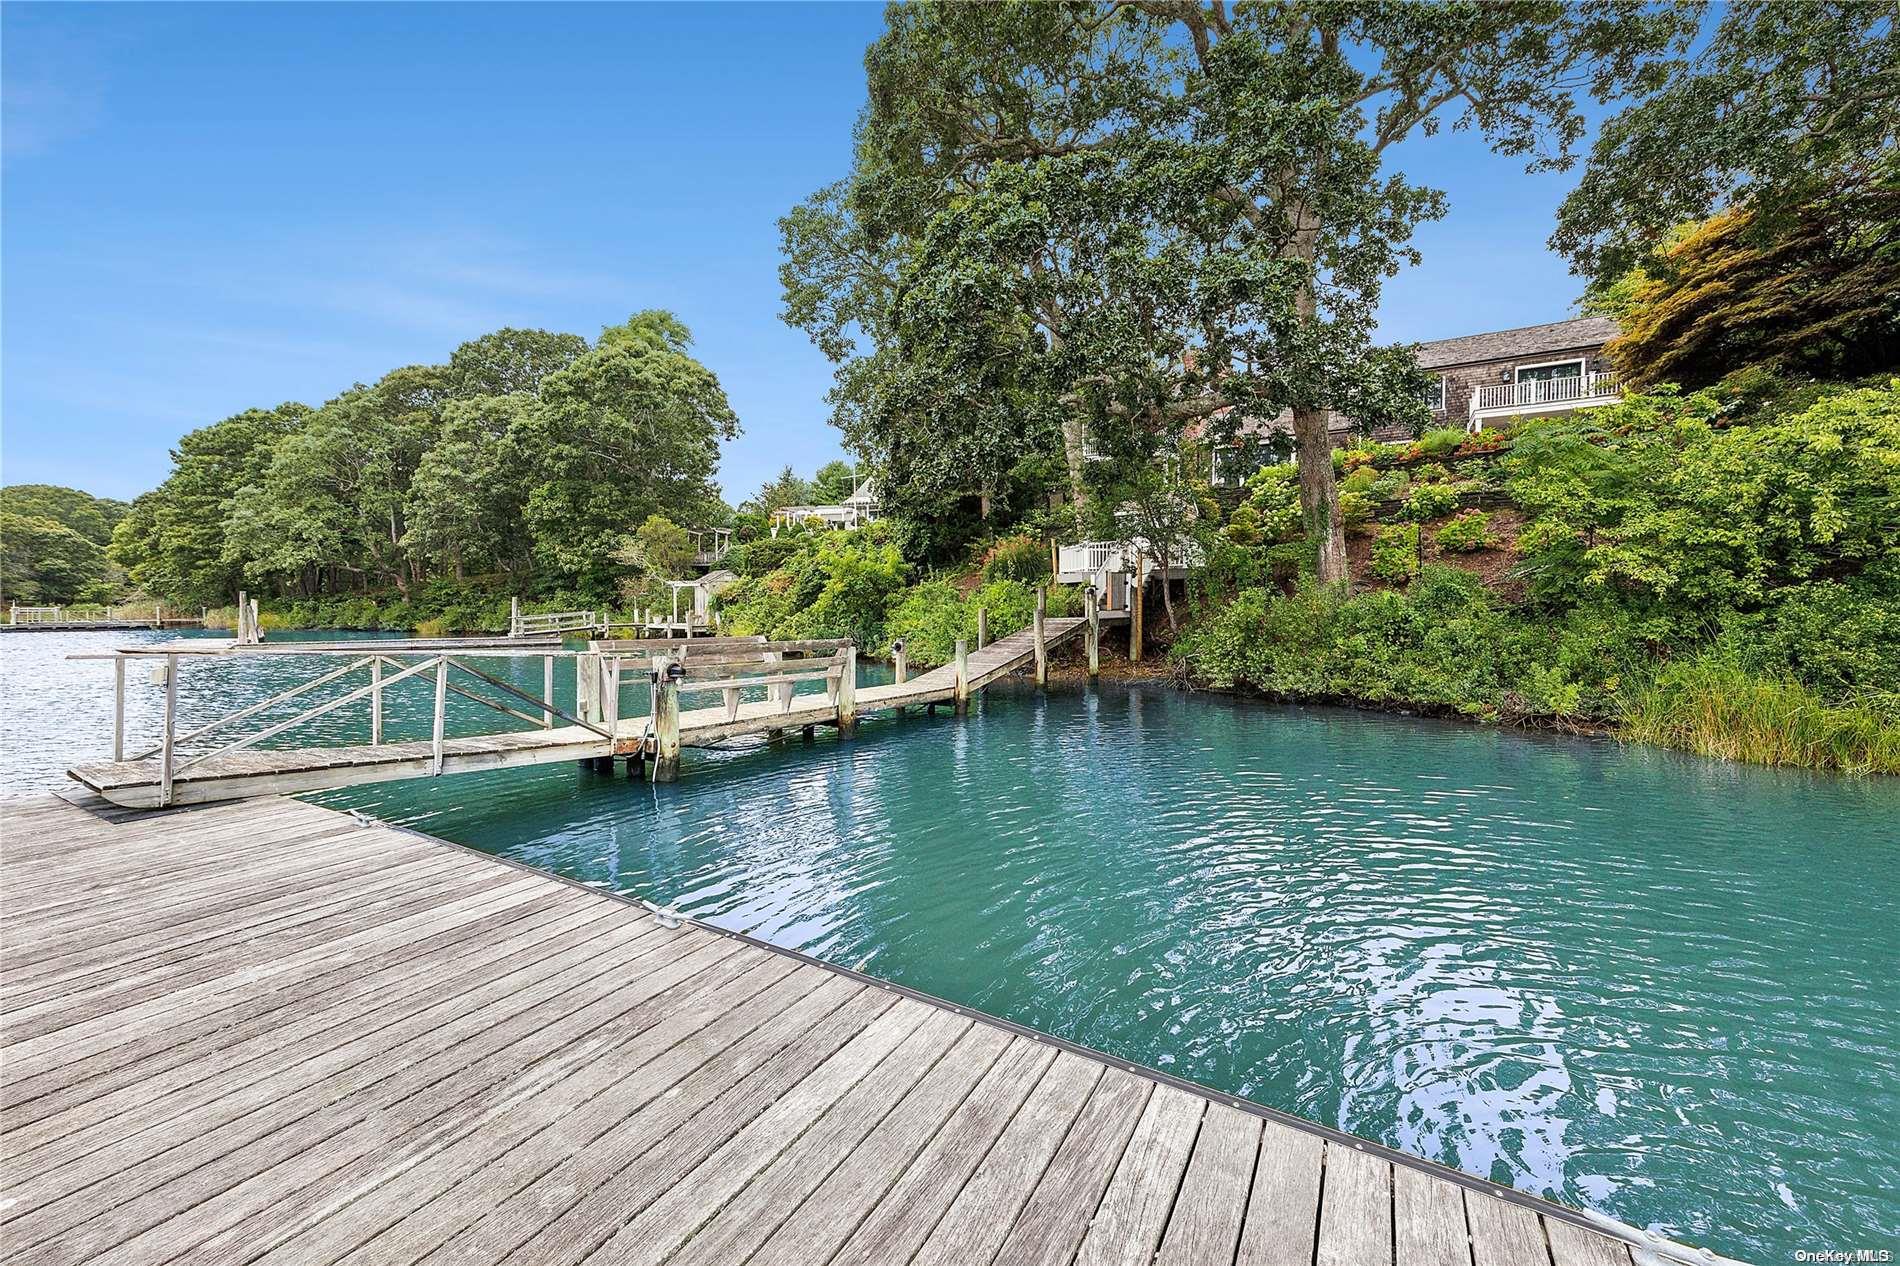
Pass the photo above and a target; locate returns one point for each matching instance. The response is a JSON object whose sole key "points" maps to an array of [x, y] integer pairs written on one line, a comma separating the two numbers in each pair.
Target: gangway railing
{"points": [[437, 665], [520, 625]]}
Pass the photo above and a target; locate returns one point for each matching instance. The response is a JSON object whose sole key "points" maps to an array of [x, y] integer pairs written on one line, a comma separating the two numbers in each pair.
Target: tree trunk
{"points": [[1167, 596], [1074, 436], [1319, 494]]}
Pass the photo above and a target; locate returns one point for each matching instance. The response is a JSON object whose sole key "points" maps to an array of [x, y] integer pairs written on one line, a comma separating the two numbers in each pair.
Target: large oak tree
{"points": [[1066, 221]]}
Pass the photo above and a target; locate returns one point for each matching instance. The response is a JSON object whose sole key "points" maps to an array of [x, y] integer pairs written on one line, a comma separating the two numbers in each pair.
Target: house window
{"points": [[1435, 395], [1551, 371]]}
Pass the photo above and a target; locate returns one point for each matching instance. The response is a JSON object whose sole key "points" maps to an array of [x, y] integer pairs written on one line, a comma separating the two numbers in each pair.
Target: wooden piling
{"points": [[547, 691], [666, 724], [1135, 588], [1042, 641], [376, 701], [1092, 608], [963, 673], [848, 693], [982, 628], [899, 664]]}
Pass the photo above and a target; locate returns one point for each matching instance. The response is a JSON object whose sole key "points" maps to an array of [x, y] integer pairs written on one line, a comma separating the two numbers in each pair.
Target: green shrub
{"points": [[1243, 526], [1429, 501], [929, 619], [1395, 552], [1442, 441], [1356, 509], [1024, 558], [1362, 479], [766, 554], [1470, 531]]}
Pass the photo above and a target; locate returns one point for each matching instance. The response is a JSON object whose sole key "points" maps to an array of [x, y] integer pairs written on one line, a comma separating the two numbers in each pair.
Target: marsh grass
{"points": [[1717, 709]]}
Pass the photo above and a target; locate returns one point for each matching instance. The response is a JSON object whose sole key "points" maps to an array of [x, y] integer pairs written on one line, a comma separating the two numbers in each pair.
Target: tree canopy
{"points": [[52, 544], [530, 454], [1787, 103], [1081, 227]]}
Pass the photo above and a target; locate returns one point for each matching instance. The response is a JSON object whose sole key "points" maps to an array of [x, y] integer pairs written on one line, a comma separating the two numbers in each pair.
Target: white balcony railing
{"points": [[1546, 393], [1087, 559]]}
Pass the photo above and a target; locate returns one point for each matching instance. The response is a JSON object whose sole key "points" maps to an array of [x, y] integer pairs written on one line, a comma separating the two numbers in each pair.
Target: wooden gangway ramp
{"points": [[161, 777], [271, 1032]]}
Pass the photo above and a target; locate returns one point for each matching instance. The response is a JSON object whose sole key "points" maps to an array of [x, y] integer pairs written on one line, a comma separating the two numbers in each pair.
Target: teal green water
{"points": [[1655, 985]]}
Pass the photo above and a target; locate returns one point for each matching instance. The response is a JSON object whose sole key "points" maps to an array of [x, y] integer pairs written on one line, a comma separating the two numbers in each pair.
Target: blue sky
{"points": [[208, 208]]}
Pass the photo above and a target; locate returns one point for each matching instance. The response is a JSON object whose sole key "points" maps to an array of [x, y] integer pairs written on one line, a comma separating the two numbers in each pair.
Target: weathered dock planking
{"points": [[141, 783], [270, 1032]]}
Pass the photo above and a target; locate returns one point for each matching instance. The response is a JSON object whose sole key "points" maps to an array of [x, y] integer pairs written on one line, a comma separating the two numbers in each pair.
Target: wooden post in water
{"points": [[171, 722], [243, 618], [441, 698], [514, 616], [982, 628], [963, 674], [1135, 588], [899, 663], [257, 633], [1042, 642], [666, 723], [848, 693], [376, 701], [547, 691], [1093, 609], [118, 707]]}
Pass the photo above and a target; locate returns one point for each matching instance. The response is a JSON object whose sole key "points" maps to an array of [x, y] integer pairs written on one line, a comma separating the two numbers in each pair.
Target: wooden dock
{"points": [[140, 783], [270, 1032]]}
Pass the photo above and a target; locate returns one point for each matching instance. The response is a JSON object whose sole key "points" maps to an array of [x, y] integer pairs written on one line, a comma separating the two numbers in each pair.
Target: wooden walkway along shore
{"points": [[237, 774], [270, 1032]]}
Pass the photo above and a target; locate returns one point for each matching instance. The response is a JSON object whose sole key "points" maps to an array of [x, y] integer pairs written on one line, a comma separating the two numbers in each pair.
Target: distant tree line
{"points": [[525, 462], [53, 546]]}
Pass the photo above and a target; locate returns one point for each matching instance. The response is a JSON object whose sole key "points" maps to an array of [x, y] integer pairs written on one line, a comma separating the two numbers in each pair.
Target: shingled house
{"points": [[1484, 380]]}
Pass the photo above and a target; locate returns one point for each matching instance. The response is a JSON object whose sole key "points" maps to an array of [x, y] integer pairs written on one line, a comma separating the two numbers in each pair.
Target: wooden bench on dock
{"points": [[270, 1032]]}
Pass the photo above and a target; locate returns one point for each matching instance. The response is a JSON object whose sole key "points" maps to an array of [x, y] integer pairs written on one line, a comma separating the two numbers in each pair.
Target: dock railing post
{"points": [[666, 720], [1093, 609], [441, 699], [118, 707], [963, 675], [547, 691], [587, 687], [848, 693], [376, 701], [1042, 641], [982, 628], [171, 722]]}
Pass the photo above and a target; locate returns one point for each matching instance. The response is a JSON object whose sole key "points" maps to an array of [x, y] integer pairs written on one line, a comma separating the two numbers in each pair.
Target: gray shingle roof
{"points": [[1528, 340]]}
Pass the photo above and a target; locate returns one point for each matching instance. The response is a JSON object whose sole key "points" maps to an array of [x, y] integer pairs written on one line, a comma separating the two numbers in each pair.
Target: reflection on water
{"points": [[1646, 983]]}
